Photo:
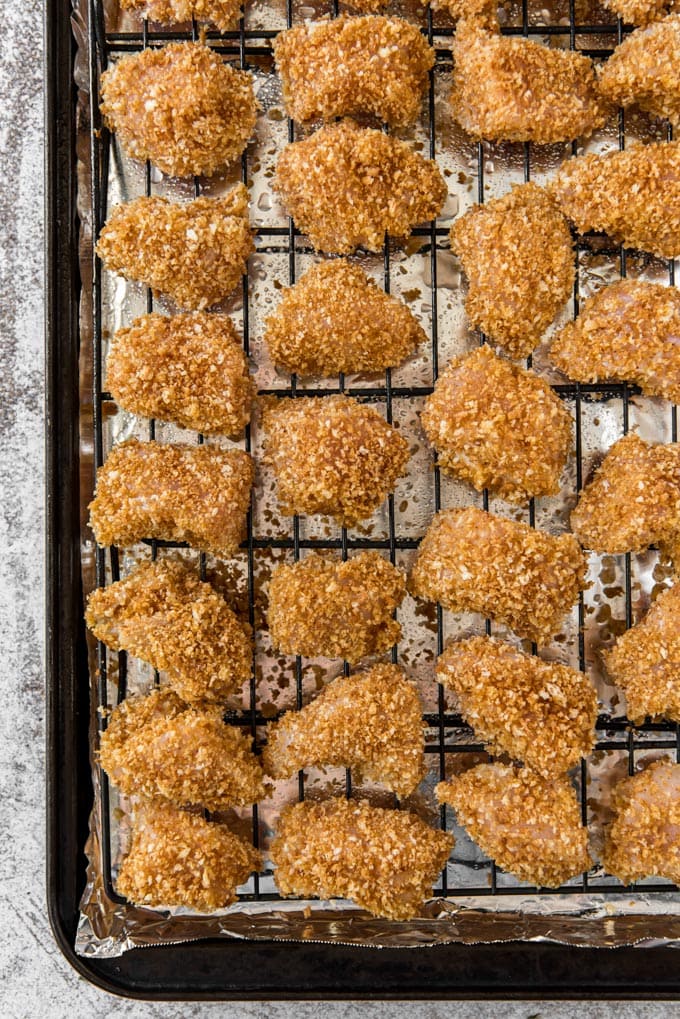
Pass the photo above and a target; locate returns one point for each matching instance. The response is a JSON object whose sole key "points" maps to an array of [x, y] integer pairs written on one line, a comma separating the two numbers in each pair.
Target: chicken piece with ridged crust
{"points": [[641, 12], [222, 13], [644, 70]]}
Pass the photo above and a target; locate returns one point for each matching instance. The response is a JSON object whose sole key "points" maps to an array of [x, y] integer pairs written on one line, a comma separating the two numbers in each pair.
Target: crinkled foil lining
{"points": [[108, 928]]}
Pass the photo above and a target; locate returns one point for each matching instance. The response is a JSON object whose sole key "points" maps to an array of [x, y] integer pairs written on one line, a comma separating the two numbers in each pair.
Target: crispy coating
{"points": [[645, 70], [484, 12], [634, 195], [645, 661], [322, 606], [385, 860], [542, 713], [350, 66], [517, 254], [498, 426], [197, 494], [370, 722], [332, 455], [181, 107], [627, 332], [179, 859], [514, 89], [530, 825], [336, 319], [347, 186], [195, 253], [222, 13], [640, 12], [474, 561], [163, 614], [643, 840], [633, 500]]}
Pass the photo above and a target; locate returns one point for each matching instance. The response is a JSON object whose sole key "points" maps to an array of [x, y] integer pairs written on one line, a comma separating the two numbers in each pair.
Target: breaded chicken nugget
{"points": [[645, 661], [517, 254], [542, 713], [627, 332], [634, 196], [514, 89], [197, 494], [195, 253], [351, 65], [530, 825], [498, 426], [385, 860], [222, 13], [645, 70], [163, 614], [644, 838], [347, 186], [179, 859], [633, 500], [473, 561], [337, 609], [332, 455], [336, 319], [640, 12]]}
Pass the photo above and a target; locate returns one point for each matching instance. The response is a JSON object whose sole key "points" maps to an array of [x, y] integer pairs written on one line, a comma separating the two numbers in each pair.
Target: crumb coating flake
{"points": [[643, 840], [347, 186], [474, 561], [634, 195], [336, 319], [542, 713], [645, 661], [164, 615], [332, 455], [196, 253], [644, 70], [516, 252], [179, 859], [173, 492], [498, 426], [322, 606], [385, 860], [222, 13], [641, 12]]}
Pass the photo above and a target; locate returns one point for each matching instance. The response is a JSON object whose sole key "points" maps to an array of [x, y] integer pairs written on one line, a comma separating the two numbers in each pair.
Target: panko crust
{"points": [[164, 615], [196, 253], [385, 860], [474, 561], [336, 319], [640, 12], [516, 252], [498, 426], [347, 186], [644, 70], [370, 722], [332, 455], [173, 492], [190, 369], [222, 13], [530, 825], [336, 609], [628, 331]]}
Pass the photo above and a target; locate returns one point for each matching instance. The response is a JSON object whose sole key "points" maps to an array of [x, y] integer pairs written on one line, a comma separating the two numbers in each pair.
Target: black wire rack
{"points": [[247, 47]]}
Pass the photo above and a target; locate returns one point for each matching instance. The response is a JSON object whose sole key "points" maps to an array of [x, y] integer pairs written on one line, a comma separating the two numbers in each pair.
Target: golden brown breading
{"points": [[336, 319], [644, 70], [633, 500], [181, 107], [644, 838], [645, 661], [197, 494], [179, 859], [517, 254], [346, 186], [189, 368], [473, 561], [529, 825], [163, 614], [350, 66], [634, 196], [498, 426], [332, 455], [627, 332], [195, 253], [514, 89], [365, 6], [485, 12], [640, 12], [385, 860], [542, 713], [322, 606], [222, 13]]}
